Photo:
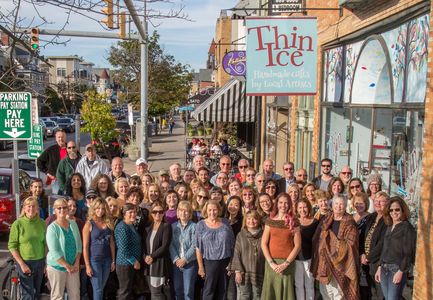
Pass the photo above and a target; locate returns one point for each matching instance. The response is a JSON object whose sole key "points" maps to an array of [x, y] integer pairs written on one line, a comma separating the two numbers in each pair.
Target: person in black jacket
{"points": [[398, 252], [370, 246], [157, 255], [49, 160]]}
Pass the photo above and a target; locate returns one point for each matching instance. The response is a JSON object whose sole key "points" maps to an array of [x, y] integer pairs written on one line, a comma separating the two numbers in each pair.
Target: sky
{"points": [[187, 41]]}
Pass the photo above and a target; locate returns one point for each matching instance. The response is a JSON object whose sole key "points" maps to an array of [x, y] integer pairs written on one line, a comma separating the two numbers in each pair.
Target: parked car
{"points": [[7, 198], [51, 127], [67, 124], [55, 119], [44, 129], [29, 165]]}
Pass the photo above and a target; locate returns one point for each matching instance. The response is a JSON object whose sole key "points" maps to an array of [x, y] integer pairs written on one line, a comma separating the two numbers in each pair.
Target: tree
{"points": [[99, 122], [169, 81]]}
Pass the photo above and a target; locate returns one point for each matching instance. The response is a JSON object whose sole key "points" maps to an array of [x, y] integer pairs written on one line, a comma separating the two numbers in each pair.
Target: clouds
{"points": [[187, 41]]}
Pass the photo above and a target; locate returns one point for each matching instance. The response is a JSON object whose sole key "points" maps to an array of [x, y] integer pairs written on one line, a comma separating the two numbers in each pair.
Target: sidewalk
{"points": [[166, 149]]}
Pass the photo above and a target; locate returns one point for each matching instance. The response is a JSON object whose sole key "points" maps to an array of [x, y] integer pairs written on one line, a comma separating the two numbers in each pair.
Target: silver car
{"points": [[51, 127]]}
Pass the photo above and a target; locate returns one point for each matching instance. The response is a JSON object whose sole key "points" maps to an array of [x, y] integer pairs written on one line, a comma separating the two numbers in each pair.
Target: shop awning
{"points": [[228, 104]]}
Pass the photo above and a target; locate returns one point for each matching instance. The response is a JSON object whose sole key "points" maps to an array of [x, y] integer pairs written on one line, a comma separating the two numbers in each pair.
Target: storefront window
{"points": [[337, 135], [271, 133], [360, 141], [408, 129]]}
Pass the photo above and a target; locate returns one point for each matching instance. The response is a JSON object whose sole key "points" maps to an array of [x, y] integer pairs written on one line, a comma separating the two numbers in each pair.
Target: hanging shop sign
{"points": [[282, 56], [277, 7], [234, 63]]}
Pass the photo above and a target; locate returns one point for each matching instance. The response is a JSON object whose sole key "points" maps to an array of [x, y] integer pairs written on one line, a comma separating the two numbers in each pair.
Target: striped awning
{"points": [[228, 104]]}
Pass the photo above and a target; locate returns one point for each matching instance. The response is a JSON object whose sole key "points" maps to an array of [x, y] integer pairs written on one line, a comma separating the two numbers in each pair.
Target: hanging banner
{"points": [[281, 56], [234, 63]]}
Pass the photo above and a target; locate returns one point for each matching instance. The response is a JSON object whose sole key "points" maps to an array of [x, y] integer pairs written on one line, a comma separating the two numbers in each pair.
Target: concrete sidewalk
{"points": [[166, 149]]}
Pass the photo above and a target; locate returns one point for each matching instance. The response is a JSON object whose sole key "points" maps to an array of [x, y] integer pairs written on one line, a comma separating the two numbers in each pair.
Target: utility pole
{"points": [[142, 30]]}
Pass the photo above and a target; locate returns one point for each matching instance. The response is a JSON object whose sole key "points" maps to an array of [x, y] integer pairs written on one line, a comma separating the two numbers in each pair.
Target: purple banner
{"points": [[234, 63]]}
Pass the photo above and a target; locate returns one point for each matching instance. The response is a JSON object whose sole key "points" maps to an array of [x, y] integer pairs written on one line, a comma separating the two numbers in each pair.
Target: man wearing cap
{"points": [[163, 176], [90, 196], [49, 160], [141, 167], [117, 170], [67, 166], [91, 165], [175, 175]]}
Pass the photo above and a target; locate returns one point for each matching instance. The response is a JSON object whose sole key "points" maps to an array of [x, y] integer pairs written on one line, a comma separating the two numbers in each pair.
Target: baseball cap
{"points": [[163, 172], [90, 146], [91, 192], [140, 161]]}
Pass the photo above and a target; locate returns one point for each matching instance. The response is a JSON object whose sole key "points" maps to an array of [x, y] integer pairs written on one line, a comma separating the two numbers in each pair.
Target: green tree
{"points": [[169, 80], [99, 122]]}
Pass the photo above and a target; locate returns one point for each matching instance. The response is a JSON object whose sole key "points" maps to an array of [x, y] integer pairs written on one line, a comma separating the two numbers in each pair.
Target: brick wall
{"points": [[423, 288]]}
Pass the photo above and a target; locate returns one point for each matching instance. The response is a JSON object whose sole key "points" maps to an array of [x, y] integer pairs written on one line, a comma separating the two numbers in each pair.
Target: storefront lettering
{"points": [[282, 49]]}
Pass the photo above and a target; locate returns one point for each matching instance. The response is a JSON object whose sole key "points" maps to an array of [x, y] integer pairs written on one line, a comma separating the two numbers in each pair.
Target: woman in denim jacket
{"points": [[182, 253]]}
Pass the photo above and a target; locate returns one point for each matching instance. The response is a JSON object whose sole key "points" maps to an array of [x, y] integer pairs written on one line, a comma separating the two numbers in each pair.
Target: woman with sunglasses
{"points": [[354, 186], [371, 243], [248, 197], [271, 188], [215, 243], [198, 202], [157, 255], [398, 250], [129, 253], [250, 174], [27, 246], [182, 252], [64, 252], [76, 189], [374, 186], [259, 182]]}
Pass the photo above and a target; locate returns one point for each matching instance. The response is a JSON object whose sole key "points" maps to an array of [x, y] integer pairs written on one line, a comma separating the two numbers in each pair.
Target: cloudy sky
{"points": [[187, 41]]}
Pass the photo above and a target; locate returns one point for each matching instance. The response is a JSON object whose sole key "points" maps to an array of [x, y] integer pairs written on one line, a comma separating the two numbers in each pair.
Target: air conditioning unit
{"points": [[352, 4]]}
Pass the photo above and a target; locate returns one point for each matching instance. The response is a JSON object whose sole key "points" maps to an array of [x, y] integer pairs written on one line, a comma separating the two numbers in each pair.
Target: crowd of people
{"points": [[251, 234]]}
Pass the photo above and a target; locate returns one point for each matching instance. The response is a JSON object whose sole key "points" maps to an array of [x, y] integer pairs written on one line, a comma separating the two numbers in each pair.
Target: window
{"points": [[61, 72]]}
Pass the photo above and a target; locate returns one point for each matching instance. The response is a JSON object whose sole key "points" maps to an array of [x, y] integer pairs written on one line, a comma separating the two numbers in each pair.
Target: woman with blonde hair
{"points": [[114, 207], [294, 193], [121, 186], [64, 252], [98, 246], [198, 202], [152, 194], [195, 185], [27, 246]]}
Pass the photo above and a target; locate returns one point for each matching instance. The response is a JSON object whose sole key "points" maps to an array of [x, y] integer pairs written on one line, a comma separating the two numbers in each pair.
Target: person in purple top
{"points": [[171, 200]]}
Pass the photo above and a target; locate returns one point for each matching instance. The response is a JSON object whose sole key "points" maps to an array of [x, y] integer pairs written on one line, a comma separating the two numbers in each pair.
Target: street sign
{"points": [[35, 146], [15, 116]]}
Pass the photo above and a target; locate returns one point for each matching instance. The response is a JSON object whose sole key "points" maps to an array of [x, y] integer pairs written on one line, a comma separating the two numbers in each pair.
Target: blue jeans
{"points": [[390, 290], [184, 280], [31, 285], [101, 271]]}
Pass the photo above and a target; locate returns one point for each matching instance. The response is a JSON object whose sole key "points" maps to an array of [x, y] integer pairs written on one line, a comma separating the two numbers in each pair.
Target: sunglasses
{"points": [[270, 187], [157, 212], [251, 175], [326, 166], [242, 167], [288, 169], [62, 208], [72, 147], [90, 197], [394, 210], [355, 187], [223, 164], [202, 197], [346, 173]]}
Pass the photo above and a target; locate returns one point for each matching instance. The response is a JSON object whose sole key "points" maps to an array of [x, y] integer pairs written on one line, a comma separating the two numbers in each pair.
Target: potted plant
{"points": [[132, 150], [200, 130], [208, 128], [191, 130]]}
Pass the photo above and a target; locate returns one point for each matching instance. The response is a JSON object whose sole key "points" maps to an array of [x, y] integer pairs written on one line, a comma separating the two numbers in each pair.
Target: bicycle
{"points": [[10, 282]]}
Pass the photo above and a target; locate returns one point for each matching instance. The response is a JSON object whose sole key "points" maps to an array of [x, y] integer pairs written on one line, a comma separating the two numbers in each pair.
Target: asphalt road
{"points": [[5, 162]]}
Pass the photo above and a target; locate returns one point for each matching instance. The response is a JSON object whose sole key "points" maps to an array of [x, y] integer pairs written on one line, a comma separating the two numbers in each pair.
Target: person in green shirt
{"points": [[27, 246]]}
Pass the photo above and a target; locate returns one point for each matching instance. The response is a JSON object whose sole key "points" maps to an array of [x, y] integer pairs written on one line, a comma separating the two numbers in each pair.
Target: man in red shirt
{"points": [[49, 160]]}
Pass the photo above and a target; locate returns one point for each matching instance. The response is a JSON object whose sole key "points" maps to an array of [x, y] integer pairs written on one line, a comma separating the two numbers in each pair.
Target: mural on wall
{"points": [[334, 74], [396, 44], [371, 81], [352, 52], [417, 59]]}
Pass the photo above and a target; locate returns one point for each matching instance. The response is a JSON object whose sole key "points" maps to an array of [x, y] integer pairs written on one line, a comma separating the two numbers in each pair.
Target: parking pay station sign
{"points": [[15, 116]]}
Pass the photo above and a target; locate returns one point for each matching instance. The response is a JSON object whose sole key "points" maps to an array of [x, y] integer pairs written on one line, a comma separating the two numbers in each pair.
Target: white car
{"points": [[29, 165]]}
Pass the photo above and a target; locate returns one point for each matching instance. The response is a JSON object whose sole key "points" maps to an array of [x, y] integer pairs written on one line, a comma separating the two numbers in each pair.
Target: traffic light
{"points": [[108, 10], [122, 25], [34, 38]]}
